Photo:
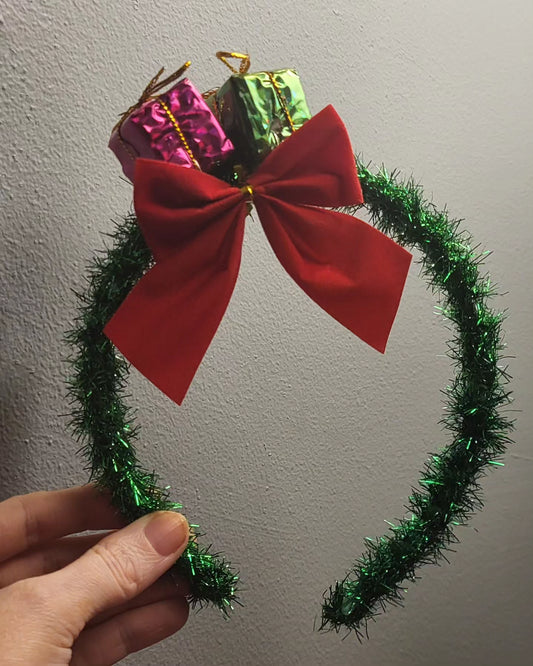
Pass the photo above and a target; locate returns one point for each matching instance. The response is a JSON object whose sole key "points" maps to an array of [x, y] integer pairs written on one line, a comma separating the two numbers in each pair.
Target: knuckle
{"points": [[31, 525], [118, 565]]}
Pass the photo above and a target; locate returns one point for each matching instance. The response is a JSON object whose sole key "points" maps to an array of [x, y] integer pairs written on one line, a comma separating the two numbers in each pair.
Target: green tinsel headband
{"points": [[448, 491]]}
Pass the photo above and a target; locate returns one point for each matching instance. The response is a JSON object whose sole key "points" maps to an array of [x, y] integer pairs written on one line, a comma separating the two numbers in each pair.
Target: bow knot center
{"points": [[248, 192]]}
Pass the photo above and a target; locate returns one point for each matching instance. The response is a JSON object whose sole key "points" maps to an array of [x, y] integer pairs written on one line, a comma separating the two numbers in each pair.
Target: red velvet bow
{"points": [[194, 225]]}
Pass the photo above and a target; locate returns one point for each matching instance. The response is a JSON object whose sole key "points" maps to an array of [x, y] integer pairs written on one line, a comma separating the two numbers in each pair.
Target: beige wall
{"points": [[296, 440]]}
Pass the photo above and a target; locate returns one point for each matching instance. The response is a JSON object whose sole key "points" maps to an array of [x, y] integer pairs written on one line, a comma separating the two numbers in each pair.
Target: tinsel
{"points": [[448, 491], [105, 424]]}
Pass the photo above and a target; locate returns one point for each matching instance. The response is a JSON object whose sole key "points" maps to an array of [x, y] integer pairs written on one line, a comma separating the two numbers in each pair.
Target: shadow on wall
{"points": [[17, 409]]}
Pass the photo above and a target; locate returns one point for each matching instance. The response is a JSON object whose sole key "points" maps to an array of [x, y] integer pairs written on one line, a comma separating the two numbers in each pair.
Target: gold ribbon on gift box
{"points": [[151, 92]]}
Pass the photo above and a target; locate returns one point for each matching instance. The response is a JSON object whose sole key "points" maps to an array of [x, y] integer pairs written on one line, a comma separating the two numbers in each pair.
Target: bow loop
{"points": [[313, 166], [194, 225], [174, 205]]}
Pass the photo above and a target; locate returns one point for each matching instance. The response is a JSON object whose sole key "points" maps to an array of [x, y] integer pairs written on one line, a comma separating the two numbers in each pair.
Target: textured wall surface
{"points": [[295, 441]]}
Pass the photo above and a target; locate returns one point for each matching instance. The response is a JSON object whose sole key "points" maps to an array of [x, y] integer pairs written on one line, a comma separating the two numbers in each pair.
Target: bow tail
{"points": [[166, 323], [349, 268]]}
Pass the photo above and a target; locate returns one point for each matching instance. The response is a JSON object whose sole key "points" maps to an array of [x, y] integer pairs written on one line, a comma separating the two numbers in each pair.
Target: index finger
{"points": [[28, 520]]}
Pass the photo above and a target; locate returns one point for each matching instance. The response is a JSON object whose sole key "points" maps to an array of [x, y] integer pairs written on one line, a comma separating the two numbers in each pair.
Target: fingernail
{"points": [[167, 532]]}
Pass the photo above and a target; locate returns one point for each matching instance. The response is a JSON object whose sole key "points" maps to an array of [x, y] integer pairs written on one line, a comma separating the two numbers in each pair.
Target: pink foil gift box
{"points": [[175, 126]]}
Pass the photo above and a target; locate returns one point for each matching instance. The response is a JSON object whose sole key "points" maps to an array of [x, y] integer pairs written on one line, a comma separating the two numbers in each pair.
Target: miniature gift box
{"points": [[258, 111], [175, 126]]}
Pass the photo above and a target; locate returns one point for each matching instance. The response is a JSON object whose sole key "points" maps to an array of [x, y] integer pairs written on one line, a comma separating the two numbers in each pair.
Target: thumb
{"points": [[118, 567]]}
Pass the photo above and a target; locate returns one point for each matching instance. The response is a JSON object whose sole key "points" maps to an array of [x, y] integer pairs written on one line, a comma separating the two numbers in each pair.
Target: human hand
{"points": [[89, 599]]}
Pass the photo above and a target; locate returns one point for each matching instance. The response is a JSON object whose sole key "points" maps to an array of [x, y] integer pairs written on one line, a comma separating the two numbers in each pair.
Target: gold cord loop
{"points": [[153, 87], [248, 191], [243, 57]]}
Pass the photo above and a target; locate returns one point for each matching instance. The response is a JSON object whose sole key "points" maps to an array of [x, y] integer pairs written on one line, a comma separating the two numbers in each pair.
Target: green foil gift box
{"points": [[258, 111]]}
